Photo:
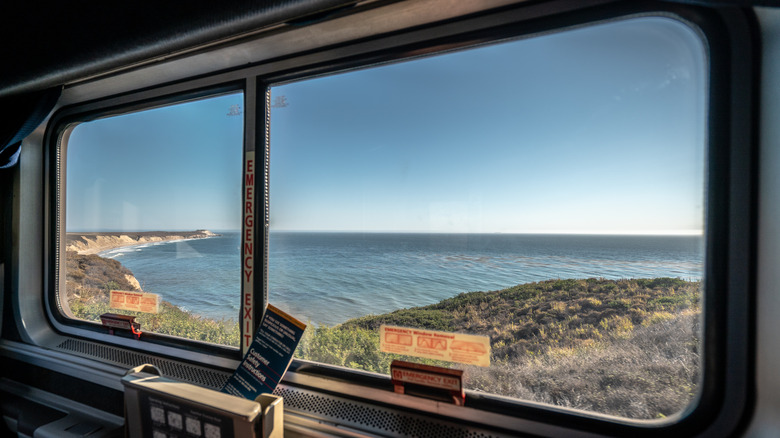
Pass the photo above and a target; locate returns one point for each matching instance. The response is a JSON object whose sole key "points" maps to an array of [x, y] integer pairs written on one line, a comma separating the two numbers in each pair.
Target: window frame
{"points": [[728, 289], [65, 121], [731, 208]]}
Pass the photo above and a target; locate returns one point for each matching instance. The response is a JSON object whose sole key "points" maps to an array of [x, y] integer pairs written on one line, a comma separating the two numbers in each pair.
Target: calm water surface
{"points": [[327, 278]]}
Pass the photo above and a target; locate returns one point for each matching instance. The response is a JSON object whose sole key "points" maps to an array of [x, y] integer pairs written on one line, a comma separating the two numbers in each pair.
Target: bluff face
{"points": [[93, 243], [89, 276]]}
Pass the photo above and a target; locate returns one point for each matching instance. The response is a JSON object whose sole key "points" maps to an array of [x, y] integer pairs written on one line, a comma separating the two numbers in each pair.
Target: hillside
{"points": [[621, 347], [533, 317], [93, 243], [89, 278], [91, 275]]}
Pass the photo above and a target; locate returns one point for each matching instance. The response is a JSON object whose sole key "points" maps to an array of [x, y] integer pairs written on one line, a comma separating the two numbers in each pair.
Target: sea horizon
{"points": [[330, 277], [529, 232]]}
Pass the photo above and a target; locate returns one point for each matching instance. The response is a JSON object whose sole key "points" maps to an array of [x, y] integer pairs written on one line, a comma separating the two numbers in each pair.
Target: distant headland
{"points": [[93, 243]]}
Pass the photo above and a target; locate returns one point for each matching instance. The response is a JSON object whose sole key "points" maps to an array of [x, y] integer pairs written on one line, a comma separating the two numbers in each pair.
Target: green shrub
{"points": [[626, 348], [594, 347]]}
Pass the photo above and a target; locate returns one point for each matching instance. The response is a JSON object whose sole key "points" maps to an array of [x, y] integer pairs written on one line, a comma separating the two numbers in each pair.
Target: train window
{"points": [[545, 195], [152, 218]]}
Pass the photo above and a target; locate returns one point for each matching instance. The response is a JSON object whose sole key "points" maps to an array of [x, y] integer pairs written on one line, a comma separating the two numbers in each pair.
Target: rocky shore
{"points": [[93, 243]]}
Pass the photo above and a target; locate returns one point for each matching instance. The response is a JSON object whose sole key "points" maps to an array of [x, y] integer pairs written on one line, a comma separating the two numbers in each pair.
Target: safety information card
{"points": [[268, 356]]}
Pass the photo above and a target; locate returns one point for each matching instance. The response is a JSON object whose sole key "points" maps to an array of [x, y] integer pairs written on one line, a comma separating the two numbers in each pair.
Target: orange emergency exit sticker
{"points": [[134, 301], [432, 344]]}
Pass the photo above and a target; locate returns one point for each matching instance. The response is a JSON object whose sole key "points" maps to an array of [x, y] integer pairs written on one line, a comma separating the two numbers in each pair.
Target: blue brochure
{"points": [[268, 357]]}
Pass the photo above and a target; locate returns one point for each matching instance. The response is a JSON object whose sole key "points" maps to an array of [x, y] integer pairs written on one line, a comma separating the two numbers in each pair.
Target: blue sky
{"points": [[595, 130], [170, 168]]}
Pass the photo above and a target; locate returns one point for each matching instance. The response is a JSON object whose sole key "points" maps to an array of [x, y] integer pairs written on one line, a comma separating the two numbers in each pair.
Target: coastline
{"points": [[94, 243]]}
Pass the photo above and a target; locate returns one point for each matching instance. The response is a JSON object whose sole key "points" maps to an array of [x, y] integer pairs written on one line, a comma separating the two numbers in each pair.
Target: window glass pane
{"points": [[153, 205], [546, 194]]}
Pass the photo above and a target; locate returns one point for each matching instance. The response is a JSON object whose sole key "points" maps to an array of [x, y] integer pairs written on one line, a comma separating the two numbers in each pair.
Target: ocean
{"points": [[328, 278]]}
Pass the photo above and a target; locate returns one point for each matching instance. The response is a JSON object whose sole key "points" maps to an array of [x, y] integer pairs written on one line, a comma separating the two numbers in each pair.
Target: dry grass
{"points": [[89, 277], [628, 348], [653, 373]]}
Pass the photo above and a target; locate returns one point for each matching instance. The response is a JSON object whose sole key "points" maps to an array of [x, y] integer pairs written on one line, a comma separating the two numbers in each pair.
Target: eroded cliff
{"points": [[93, 243]]}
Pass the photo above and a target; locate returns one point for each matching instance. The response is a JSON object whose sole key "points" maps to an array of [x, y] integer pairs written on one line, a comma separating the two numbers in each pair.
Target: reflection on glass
{"points": [[153, 204], [545, 193]]}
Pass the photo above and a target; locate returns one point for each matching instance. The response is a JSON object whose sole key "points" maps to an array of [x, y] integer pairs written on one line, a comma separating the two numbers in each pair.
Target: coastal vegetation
{"points": [[89, 278], [621, 347]]}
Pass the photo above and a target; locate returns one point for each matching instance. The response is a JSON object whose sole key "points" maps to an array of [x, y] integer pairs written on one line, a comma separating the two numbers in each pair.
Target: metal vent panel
{"points": [[128, 359], [371, 418], [356, 415]]}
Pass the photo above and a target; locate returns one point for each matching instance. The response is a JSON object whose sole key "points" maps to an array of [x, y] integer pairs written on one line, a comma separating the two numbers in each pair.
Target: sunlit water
{"points": [[327, 278]]}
